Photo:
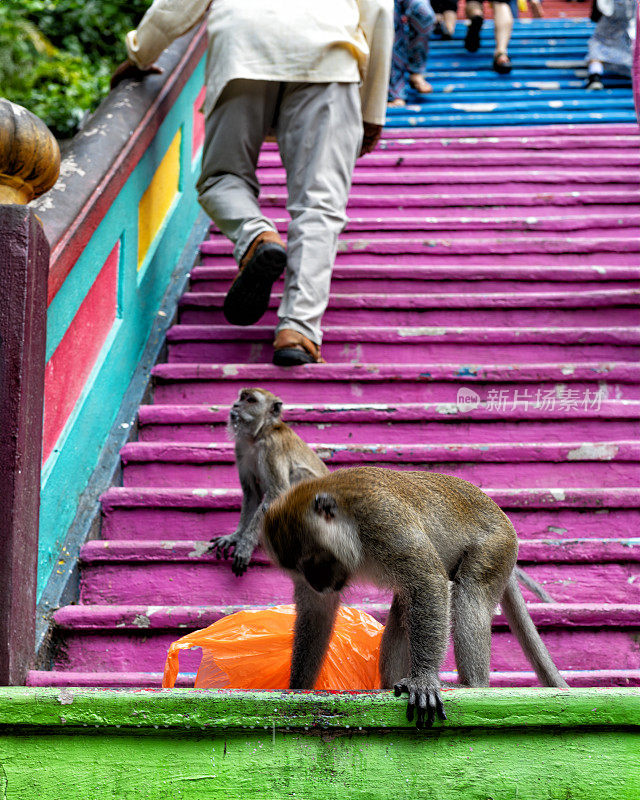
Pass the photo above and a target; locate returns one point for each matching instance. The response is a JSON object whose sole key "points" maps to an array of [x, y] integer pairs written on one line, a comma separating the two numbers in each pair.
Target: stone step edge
{"points": [[443, 301], [270, 169], [403, 334], [531, 551], [581, 131], [454, 272], [276, 198], [505, 153], [569, 219], [476, 178], [224, 452], [62, 710], [118, 497], [414, 144], [522, 412], [423, 224], [499, 679], [442, 244], [543, 372], [416, 151], [555, 169], [144, 617]]}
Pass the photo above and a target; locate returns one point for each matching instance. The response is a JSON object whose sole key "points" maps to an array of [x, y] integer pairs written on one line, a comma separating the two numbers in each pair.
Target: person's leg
{"points": [[319, 132], [503, 26], [535, 6], [228, 191], [397, 80], [473, 10], [438, 7], [420, 22], [595, 68], [449, 19], [234, 132]]}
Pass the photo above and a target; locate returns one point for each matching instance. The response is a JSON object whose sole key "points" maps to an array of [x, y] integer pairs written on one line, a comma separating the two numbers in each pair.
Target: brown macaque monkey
{"points": [[435, 541], [270, 458]]}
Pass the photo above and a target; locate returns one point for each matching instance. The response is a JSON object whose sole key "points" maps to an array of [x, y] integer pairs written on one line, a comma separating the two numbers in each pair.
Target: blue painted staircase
{"points": [[546, 85]]}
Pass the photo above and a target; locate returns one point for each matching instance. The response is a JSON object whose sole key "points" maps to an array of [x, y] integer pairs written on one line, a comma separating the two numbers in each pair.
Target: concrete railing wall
{"points": [[117, 221]]}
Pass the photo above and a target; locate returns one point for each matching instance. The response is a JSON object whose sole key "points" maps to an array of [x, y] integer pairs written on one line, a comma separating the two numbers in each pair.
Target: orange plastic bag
{"points": [[252, 650]]}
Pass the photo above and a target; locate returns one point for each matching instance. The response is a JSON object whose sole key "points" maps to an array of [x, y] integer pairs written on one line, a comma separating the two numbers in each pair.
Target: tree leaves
{"points": [[56, 56]]}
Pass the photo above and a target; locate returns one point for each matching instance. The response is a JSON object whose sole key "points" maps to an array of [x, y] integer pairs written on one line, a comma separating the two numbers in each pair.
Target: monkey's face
{"points": [[323, 572], [253, 410]]}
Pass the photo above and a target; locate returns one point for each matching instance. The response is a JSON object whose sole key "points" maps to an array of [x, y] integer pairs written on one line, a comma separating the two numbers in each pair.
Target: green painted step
{"points": [[532, 744]]}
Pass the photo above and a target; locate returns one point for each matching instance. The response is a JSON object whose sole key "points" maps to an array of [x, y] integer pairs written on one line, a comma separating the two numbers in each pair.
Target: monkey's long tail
{"points": [[526, 580], [520, 622]]}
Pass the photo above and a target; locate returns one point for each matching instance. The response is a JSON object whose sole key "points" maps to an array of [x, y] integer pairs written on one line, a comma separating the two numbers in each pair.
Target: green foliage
{"points": [[80, 27], [56, 56]]}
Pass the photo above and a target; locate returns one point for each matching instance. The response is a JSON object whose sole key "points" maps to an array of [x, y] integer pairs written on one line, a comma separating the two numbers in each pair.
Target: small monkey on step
{"points": [[436, 541], [270, 458]]}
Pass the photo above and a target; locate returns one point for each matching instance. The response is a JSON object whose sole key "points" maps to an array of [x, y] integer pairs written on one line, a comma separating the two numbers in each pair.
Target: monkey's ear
{"points": [[326, 506], [276, 408]]}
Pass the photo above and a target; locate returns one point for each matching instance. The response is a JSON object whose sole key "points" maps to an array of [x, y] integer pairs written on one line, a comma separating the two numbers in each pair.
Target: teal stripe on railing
{"points": [[67, 470], [546, 85]]}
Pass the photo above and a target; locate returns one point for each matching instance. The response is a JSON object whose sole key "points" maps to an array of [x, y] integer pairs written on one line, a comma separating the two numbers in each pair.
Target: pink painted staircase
{"points": [[483, 323]]}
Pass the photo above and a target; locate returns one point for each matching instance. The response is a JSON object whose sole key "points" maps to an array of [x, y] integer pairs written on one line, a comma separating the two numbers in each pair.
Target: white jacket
{"points": [[315, 41]]}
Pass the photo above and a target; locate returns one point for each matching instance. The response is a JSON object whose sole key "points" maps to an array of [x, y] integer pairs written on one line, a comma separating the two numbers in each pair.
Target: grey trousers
{"points": [[319, 131]]}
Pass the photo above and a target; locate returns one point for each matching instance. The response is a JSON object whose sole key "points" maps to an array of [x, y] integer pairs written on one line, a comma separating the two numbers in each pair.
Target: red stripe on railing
{"points": [[198, 122], [70, 365]]}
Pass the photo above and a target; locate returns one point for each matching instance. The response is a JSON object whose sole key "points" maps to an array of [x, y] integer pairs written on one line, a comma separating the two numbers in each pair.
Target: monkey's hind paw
{"points": [[425, 698], [221, 545]]}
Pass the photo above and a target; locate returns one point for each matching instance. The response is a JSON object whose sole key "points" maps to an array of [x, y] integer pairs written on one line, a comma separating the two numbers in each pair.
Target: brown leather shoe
{"points": [[291, 349], [260, 267]]}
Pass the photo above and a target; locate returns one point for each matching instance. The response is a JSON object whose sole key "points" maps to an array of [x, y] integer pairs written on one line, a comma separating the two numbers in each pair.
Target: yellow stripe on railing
{"points": [[157, 199]]}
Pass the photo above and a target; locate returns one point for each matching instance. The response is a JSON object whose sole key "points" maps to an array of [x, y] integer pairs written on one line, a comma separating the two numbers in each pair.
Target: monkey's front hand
{"points": [[423, 695], [241, 559], [221, 545]]}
